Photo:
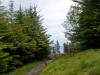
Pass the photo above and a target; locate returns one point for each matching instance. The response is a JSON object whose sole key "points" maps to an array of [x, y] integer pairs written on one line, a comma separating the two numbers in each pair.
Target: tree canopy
{"points": [[84, 22], [23, 38]]}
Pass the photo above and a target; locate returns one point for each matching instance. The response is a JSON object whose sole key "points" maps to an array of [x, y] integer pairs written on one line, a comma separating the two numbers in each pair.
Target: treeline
{"points": [[83, 24], [23, 39]]}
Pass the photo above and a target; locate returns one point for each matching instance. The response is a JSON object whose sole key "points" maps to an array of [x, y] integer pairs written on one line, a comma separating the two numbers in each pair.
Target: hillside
{"points": [[84, 63]]}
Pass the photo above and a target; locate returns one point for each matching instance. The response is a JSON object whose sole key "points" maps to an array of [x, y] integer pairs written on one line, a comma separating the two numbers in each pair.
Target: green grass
{"points": [[23, 70], [84, 63]]}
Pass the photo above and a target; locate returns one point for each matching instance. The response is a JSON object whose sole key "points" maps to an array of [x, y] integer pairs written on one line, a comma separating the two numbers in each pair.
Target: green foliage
{"points": [[3, 66], [84, 20], [23, 39], [95, 70]]}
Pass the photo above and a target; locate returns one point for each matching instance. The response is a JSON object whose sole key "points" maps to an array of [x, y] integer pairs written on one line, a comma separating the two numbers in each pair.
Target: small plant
{"points": [[83, 64], [95, 70]]}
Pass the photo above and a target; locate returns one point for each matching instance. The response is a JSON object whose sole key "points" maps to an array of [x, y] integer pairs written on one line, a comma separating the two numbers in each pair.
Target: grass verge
{"points": [[23, 70], [84, 63]]}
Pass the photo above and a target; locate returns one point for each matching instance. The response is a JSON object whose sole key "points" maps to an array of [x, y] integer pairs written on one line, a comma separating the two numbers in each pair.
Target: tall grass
{"points": [[84, 63]]}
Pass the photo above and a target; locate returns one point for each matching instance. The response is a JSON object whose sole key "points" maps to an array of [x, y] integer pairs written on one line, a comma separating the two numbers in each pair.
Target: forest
{"points": [[24, 39]]}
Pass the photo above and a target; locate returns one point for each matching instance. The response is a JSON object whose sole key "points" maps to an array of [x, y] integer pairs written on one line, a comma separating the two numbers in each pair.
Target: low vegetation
{"points": [[84, 63], [23, 70]]}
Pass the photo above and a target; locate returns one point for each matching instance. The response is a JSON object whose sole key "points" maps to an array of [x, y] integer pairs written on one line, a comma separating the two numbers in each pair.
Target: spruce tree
{"points": [[4, 57], [39, 34], [57, 45], [11, 11], [22, 37], [89, 24], [86, 32]]}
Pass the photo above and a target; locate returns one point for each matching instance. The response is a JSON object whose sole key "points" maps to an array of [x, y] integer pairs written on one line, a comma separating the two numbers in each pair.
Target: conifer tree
{"points": [[57, 46], [11, 11], [22, 37], [86, 32], [39, 34], [4, 57]]}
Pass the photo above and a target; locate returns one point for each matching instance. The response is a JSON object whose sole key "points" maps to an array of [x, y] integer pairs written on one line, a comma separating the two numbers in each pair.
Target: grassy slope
{"points": [[23, 70], [84, 63]]}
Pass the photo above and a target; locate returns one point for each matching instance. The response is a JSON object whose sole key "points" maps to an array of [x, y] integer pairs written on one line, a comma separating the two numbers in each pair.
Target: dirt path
{"points": [[38, 68]]}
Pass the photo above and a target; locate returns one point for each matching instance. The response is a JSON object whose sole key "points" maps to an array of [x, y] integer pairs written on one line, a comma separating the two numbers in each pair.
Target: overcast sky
{"points": [[53, 12]]}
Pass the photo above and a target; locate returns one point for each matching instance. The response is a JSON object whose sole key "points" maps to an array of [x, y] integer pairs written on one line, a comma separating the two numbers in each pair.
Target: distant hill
{"points": [[84, 63]]}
